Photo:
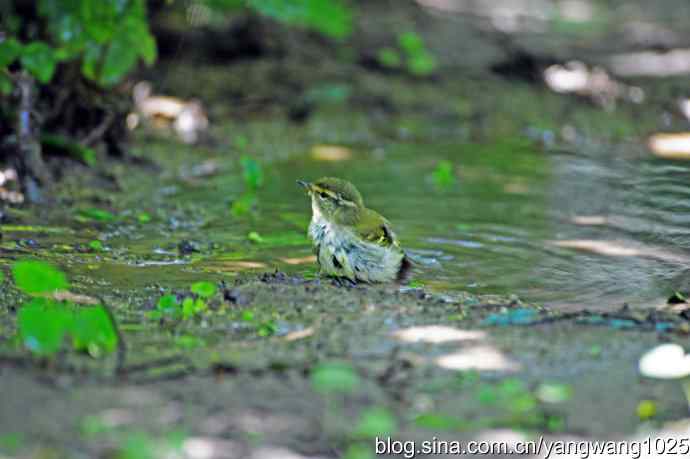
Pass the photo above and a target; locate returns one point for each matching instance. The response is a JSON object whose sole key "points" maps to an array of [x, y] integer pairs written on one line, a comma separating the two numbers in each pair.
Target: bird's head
{"points": [[334, 199]]}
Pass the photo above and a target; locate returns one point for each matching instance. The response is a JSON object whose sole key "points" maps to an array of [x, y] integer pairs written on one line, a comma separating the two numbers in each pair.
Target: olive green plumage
{"points": [[351, 241]]}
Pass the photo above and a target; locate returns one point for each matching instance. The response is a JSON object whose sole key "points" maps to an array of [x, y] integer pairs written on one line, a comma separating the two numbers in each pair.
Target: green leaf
{"points": [[95, 214], [268, 328], [255, 237], [93, 331], [252, 173], [148, 51], [167, 302], [411, 43], [243, 205], [188, 308], [96, 245], [200, 305], [99, 19], [38, 58], [70, 147], [330, 17], [91, 61], [422, 64], [144, 217], [646, 409], [34, 277], [10, 49], [335, 377], [388, 57], [6, 83], [204, 289], [443, 175], [42, 325], [375, 422], [120, 56]]}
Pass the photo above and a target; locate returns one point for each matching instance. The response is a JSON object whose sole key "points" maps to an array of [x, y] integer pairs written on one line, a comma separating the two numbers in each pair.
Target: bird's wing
{"points": [[372, 227]]}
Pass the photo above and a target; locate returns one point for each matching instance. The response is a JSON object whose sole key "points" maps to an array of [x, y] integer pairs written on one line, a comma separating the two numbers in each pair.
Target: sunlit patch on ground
{"points": [[482, 358], [437, 334], [518, 15], [211, 448]]}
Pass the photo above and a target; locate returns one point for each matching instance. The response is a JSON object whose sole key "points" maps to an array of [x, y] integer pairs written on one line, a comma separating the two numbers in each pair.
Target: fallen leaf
{"points": [[330, 153], [300, 334], [64, 295], [299, 260]]}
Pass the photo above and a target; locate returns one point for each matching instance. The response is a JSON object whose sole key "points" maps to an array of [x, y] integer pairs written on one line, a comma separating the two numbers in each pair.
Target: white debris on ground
{"points": [[8, 179], [576, 77], [186, 117]]}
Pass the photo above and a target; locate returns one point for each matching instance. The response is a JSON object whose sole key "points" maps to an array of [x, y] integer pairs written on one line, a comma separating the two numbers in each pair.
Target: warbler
{"points": [[352, 242]]}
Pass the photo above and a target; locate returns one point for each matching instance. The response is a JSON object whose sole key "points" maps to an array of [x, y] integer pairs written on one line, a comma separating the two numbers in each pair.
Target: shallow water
{"points": [[594, 227], [598, 229]]}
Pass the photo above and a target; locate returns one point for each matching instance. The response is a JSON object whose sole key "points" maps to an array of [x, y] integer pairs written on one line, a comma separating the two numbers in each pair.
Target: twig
{"points": [[98, 132], [29, 147]]}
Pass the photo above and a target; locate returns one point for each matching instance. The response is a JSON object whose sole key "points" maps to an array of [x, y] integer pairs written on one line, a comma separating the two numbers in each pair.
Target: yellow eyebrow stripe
{"points": [[318, 189]]}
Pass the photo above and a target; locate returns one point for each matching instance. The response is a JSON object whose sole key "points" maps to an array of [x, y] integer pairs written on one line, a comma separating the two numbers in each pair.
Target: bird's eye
{"points": [[323, 195]]}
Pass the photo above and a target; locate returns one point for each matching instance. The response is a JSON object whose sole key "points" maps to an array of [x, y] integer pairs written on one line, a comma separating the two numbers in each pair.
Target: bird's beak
{"points": [[306, 185]]}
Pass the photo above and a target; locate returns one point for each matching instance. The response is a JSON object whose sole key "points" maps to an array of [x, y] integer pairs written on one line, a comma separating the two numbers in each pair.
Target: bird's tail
{"points": [[405, 271]]}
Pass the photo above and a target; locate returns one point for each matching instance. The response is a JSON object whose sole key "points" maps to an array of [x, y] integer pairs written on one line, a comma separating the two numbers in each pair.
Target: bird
{"points": [[352, 243]]}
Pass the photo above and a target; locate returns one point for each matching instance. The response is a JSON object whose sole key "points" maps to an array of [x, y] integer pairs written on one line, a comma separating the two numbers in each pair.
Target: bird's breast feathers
{"points": [[342, 252]]}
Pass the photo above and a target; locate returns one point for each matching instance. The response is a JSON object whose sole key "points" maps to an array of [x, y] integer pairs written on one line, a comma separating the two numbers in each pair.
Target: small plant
{"points": [[263, 328], [255, 237], [244, 204], [253, 176], [96, 245], [44, 323], [190, 306], [444, 175], [335, 380], [94, 215], [410, 54], [252, 173], [204, 289], [508, 403], [143, 217]]}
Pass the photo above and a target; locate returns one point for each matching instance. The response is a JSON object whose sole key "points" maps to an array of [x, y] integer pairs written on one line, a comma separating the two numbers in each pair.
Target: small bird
{"points": [[351, 242]]}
